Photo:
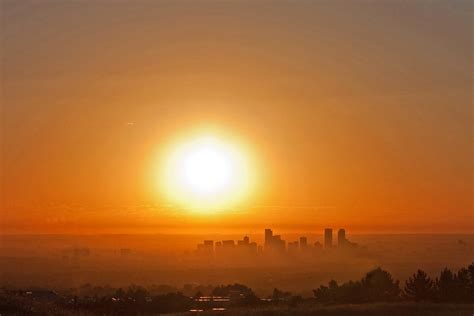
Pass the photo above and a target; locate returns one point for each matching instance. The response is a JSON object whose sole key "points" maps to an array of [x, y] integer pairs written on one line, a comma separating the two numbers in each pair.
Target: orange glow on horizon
{"points": [[343, 114]]}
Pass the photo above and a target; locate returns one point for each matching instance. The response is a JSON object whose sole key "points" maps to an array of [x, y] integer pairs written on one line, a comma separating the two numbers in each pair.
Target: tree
{"points": [[376, 286], [326, 293], [119, 293], [446, 286], [419, 287], [379, 286], [462, 279], [240, 294], [225, 290], [470, 289], [280, 295], [322, 294], [137, 293]]}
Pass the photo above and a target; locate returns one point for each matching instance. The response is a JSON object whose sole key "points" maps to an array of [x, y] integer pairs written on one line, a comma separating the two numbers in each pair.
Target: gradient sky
{"points": [[358, 113]]}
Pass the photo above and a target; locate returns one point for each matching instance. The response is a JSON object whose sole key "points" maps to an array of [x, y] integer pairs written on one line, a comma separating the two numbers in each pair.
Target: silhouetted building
{"points": [[278, 243], [208, 247], [273, 242], [341, 238], [244, 242], [209, 244], [228, 244], [328, 238], [268, 237], [253, 247], [342, 241], [303, 243], [245, 247]]}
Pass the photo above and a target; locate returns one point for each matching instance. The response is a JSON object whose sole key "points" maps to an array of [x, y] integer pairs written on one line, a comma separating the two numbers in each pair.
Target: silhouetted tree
{"points": [[376, 286], [326, 293], [351, 292], [225, 290], [446, 286], [247, 296], [171, 302], [119, 293], [456, 287], [322, 294], [280, 295], [250, 299], [379, 286], [462, 280], [470, 287], [419, 287]]}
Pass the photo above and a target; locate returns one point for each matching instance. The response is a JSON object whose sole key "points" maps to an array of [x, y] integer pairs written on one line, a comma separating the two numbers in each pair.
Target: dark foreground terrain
{"points": [[390, 309], [303, 309], [22, 307], [377, 293]]}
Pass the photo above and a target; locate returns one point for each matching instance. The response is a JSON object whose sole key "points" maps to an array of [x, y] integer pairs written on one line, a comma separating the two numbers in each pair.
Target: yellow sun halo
{"points": [[206, 173]]}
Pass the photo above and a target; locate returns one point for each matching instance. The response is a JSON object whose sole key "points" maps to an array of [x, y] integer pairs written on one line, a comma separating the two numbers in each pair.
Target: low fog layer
{"points": [[62, 261]]}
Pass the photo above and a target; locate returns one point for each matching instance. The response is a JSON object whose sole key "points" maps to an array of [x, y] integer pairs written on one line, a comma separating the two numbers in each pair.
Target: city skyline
{"points": [[274, 244]]}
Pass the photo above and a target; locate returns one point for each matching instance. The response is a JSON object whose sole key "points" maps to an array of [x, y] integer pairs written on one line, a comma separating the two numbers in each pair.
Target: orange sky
{"points": [[357, 115]]}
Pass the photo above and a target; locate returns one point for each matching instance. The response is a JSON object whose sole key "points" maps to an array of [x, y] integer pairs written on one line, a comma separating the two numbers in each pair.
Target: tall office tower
{"points": [[303, 242], [328, 238], [341, 237], [268, 237], [246, 240]]}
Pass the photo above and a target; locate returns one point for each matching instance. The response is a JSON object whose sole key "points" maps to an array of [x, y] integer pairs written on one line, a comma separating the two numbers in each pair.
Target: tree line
{"points": [[379, 286]]}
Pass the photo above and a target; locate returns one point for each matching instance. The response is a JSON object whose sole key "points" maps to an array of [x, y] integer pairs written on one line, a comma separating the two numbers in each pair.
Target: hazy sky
{"points": [[357, 113]]}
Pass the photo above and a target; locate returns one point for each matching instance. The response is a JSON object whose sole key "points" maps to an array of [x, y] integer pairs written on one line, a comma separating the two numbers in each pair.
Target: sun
{"points": [[206, 168], [206, 173]]}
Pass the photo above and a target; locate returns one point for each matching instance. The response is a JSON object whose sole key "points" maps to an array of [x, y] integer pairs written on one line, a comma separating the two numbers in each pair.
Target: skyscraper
{"points": [[328, 238], [268, 237], [341, 237], [273, 242]]}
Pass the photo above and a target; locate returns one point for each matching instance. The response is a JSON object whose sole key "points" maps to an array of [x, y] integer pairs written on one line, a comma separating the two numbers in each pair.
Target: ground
{"points": [[395, 309]]}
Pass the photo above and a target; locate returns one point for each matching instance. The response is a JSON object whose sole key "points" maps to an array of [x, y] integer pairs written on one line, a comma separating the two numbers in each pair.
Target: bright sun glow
{"points": [[206, 174], [206, 169]]}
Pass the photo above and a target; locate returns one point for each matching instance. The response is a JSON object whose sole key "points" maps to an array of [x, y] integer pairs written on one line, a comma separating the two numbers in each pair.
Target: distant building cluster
{"points": [[272, 244], [224, 247]]}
